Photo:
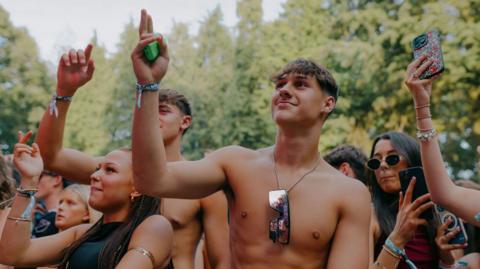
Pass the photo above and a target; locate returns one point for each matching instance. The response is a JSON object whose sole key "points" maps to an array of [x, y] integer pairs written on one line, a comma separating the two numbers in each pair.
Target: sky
{"points": [[60, 24]]}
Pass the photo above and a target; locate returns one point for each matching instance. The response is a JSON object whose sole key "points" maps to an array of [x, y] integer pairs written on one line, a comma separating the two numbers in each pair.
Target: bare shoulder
{"points": [[155, 227], [234, 153], [349, 190]]}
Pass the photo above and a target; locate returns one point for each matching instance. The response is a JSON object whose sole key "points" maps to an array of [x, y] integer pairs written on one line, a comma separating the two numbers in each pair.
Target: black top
{"points": [[45, 225], [86, 255]]}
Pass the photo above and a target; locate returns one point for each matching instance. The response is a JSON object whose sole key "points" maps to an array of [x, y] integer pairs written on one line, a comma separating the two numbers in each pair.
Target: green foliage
{"points": [[225, 73], [24, 82]]}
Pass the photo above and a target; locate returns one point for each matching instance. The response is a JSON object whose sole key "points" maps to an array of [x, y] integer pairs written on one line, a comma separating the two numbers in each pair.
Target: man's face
{"points": [[299, 99], [172, 121], [46, 184]]}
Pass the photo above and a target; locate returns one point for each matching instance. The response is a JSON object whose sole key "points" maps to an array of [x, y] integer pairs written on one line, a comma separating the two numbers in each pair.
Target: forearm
{"points": [[50, 133], [148, 151], [16, 233], [439, 183]]}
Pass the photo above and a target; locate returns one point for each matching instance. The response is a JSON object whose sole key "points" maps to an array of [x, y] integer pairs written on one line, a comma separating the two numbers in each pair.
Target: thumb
{"points": [[36, 150], [90, 69]]}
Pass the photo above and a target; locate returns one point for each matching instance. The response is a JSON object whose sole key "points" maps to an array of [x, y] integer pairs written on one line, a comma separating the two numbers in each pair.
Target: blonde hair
{"points": [[84, 192]]}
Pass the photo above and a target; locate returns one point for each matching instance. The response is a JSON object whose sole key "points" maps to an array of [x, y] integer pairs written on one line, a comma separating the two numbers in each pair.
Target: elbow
{"points": [[144, 186]]}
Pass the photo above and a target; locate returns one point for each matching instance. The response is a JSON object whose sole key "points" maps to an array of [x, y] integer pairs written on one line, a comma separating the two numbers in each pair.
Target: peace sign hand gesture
{"points": [[27, 160], [146, 72]]}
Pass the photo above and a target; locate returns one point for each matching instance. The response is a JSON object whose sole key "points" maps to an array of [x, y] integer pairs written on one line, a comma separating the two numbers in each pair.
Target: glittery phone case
{"points": [[429, 44]]}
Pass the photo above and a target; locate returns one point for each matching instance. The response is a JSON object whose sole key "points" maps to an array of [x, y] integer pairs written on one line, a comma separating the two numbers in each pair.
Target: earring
{"points": [[132, 197]]}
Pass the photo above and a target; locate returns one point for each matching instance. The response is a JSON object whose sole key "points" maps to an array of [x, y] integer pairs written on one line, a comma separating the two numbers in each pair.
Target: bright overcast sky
{"points": [[56, 24]]}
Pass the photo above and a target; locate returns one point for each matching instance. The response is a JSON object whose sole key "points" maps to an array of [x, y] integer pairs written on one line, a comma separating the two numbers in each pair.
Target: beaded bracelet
{"points": [[426, 135], [401, 252]]}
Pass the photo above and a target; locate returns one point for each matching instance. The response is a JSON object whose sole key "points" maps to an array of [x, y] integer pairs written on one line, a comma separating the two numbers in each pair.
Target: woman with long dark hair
{"points": [[400, 237], [130, 234]]}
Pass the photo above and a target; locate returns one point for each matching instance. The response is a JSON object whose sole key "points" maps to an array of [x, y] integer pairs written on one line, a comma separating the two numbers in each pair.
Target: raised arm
{"points": [[74, 70], [215, 225], [16, 247], [461, 201], [151, 173], [352, 233]]}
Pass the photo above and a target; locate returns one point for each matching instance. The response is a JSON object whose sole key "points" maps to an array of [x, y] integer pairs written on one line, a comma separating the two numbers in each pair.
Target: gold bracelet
{"points": [[391, 253], [18, 219], [424, 117], [144, 252], [422, 106]]}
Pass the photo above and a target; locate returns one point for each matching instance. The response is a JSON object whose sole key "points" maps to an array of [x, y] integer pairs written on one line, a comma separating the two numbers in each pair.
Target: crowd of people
{"points": [[284, 206]]}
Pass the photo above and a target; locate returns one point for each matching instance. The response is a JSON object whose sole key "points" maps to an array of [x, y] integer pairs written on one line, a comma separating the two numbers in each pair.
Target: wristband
{"points": [[151, 87], [53, 103], [401, 252]]}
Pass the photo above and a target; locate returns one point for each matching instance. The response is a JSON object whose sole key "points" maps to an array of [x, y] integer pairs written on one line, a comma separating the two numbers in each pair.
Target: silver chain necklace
{"points": [[299, 180]]}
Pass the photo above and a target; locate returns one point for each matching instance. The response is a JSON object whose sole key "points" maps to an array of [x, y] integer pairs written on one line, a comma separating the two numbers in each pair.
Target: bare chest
{"points": [[312, 208]]}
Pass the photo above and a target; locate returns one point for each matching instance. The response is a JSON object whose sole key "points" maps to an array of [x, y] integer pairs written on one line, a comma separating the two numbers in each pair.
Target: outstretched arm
{"points": [[461, 201], [74, 70], [151, 173]]}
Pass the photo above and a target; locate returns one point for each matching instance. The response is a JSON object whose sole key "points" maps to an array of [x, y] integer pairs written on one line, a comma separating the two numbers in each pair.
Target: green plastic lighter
{"points": [[152, 51]]}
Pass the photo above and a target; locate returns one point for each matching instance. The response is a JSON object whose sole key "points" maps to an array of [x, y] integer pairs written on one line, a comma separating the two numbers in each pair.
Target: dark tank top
{"points": [[86, 255]]}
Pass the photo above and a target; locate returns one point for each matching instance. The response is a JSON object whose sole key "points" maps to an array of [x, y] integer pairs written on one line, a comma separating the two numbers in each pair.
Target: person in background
{"points": [[349, 160]]}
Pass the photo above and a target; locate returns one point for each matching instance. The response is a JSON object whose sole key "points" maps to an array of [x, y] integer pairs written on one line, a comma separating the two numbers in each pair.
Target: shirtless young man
{"points": [[329, 213], [189, 218]]}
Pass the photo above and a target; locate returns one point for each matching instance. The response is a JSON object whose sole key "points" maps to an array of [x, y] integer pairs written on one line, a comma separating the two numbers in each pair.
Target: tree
{"points": [[24, 82]]}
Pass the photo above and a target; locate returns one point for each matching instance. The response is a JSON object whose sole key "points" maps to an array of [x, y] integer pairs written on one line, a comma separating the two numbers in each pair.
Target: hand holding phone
{"points": [[428, 44], [419, 189], [452, 224]]}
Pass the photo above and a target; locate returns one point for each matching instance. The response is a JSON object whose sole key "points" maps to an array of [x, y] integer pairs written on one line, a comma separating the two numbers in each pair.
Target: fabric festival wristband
{"points": [[151, 87], [401, 252], [53, 103]]}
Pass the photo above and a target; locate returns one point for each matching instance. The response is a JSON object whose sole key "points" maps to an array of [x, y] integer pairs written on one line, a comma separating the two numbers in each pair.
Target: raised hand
{"points": [[27, 160], [74, 70], [408, 214], [144, 71], [421, 89]]}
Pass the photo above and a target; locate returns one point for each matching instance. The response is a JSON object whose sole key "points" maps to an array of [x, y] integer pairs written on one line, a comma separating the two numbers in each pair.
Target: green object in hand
{"points": [[152, 51]]}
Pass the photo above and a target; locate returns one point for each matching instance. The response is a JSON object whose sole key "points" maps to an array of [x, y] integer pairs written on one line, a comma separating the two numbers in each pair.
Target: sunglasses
{"points": [[375, 163], [280, 227]]}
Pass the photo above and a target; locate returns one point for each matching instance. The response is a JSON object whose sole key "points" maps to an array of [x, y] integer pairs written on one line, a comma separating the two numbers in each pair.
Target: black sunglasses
{"points": [[391, 160], [280, 227]]}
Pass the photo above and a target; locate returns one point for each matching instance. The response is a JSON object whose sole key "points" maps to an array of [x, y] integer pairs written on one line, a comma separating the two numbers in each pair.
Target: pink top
{"points": [[419, 250]]}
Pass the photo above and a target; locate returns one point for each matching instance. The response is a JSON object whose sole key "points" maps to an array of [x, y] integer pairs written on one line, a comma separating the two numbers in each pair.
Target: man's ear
{"points": [[344, 168], [58, 181], [186, 122], [329, 104]]}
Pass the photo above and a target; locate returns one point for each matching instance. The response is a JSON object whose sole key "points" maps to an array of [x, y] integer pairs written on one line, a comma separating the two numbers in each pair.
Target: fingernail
{"points": [[477, 217]]}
